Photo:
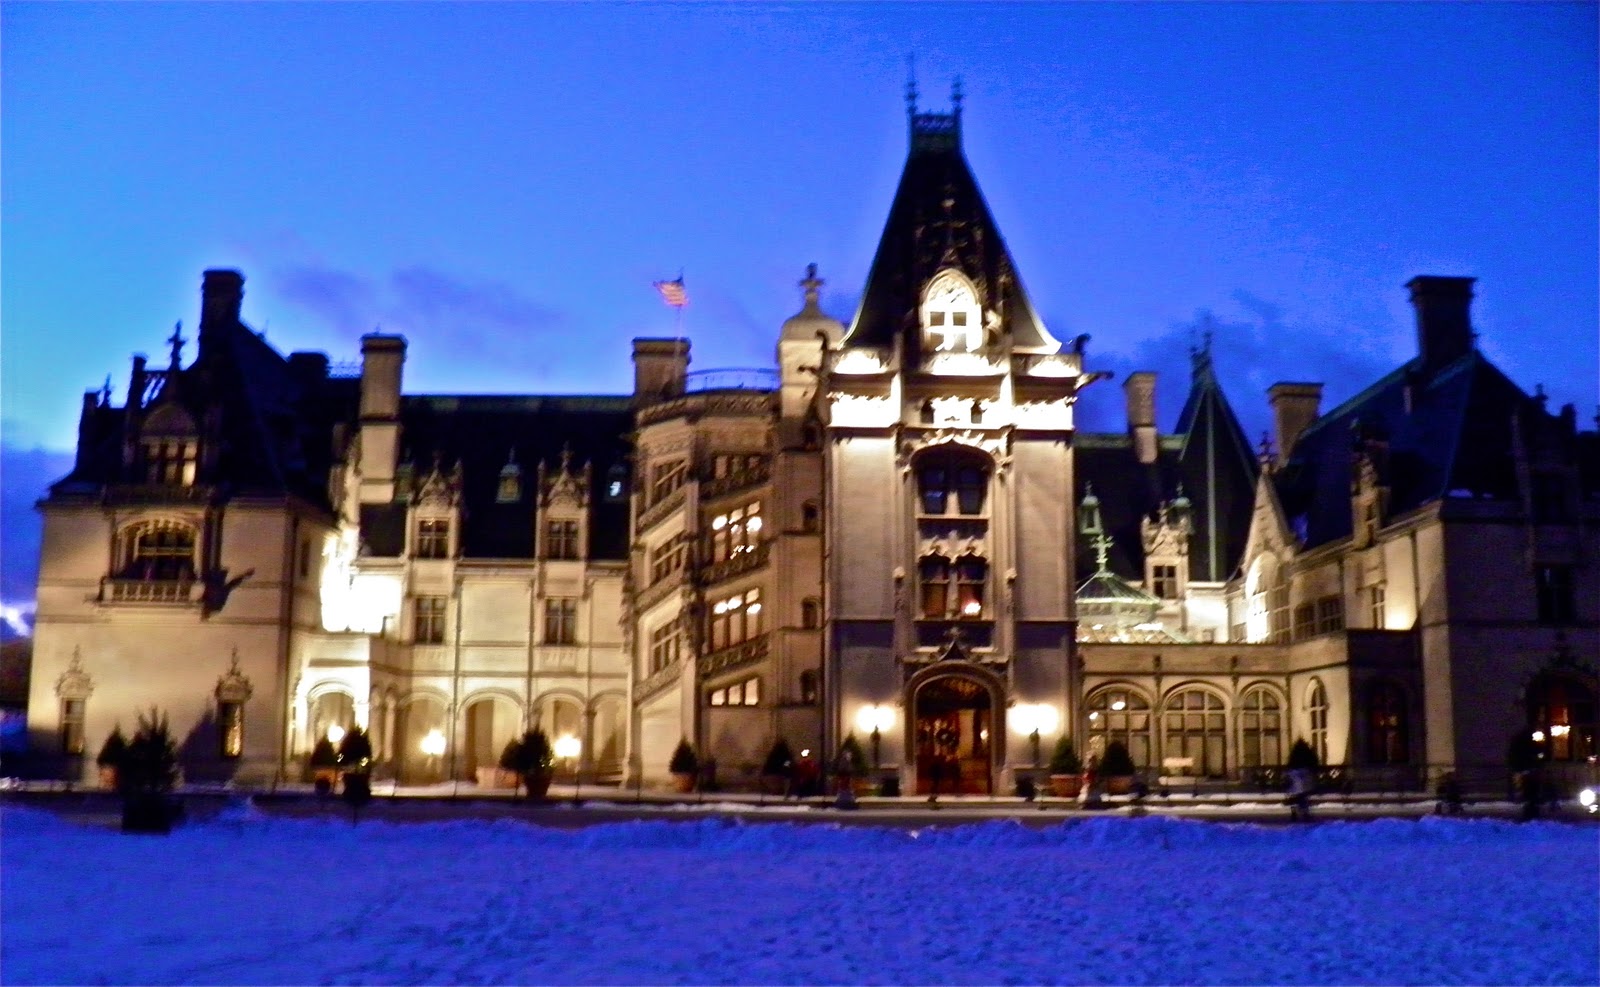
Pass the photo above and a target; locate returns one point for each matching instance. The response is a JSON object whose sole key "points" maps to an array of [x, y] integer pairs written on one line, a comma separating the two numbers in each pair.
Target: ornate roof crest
{"points": [[233, 687], [75, 683]]}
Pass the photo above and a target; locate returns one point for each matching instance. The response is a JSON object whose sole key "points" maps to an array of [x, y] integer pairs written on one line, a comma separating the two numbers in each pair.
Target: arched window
{"points": [[1317, 708], [952, 322], [954, 590], [1194, 725], [159, 551], [1261, 729], [1121, 714], [1562, 710], [1386, 725]]}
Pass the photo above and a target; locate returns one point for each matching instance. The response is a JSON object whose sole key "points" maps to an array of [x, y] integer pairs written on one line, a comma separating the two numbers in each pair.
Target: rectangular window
{"points": [[1376, 611], [1330, 614], [745, 693], [428, 625], [667, 477], [561, 539], [664, 645], [1305, 620], [230, 728], [719, 697], [72, 725], [433, 538], [1278, 614], [170, 462], [561, 621], [1553, 584], [737, 532], [669, 557], [736, 619], [1164, 581]]}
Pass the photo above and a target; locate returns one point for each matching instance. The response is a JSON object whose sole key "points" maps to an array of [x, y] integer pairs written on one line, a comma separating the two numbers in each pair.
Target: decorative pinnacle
{"points": [[811, 284], [955, 94], [176, 341], [911, 84]]}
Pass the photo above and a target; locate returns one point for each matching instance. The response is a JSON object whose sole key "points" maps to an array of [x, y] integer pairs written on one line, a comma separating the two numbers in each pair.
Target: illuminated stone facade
{"points": [[900, 534]]}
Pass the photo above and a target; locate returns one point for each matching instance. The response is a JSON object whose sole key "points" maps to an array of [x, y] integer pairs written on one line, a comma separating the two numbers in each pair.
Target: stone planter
{"points": [[1066, 786], [682, 782], [538, 785], [108, 777], [496, 778], [1118, 784]]}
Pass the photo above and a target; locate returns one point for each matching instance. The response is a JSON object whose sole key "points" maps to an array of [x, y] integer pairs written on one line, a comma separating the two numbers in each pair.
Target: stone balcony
{"points": [[161, 592], [738, 565]]}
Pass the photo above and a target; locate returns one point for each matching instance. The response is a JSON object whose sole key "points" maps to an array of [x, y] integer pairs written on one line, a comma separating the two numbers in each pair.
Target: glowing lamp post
{"points": [[1033, 719], [433, 746], [875, 719], [335, 734]]}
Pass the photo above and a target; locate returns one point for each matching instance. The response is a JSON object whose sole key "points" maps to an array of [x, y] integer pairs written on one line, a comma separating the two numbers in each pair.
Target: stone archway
{"points": [[954, 725]]}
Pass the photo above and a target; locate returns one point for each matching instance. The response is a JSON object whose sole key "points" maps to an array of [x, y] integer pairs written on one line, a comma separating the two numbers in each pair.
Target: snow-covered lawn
{"points": [[250, 899]]}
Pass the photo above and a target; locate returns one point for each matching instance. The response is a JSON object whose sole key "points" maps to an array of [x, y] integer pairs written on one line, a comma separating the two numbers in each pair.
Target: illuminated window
{"points": [[951, 319], [1260, 729], [1375, 606], [1194, 725], [953, 590], [561, 539], [1317, 710], [561, 621], [230, 728], [428, 620], [1121, 714], [1164, 581], [736, 619], [433, 538], [72, 714], [159, 551], [1562, 709], [169, 461], [736, 532], [745, 693]]}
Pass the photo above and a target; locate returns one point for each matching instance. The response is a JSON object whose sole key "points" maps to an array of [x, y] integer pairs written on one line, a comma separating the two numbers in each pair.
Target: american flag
{"points": [[673, 293]]}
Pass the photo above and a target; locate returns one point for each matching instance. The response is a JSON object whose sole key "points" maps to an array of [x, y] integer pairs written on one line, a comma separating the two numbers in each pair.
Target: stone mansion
{"points": [[898, 533]]}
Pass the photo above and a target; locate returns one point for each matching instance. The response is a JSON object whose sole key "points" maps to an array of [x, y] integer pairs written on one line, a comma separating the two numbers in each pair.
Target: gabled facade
{"points": [[899, 535]]}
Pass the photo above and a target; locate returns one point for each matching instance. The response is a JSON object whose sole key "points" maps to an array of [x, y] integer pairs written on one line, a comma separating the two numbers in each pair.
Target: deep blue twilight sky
{"points": [[501, 182]]}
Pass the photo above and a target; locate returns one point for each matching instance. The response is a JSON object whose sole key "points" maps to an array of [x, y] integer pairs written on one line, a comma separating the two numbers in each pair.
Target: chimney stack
{"points": [[382, 359], [1294, 408], [1444, 319], [221, 294], [660, 368], [1140, 392]]}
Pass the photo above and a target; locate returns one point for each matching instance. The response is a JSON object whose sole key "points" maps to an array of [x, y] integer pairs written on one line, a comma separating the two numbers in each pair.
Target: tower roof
{"points": [[939, 219], [1215, 463]]}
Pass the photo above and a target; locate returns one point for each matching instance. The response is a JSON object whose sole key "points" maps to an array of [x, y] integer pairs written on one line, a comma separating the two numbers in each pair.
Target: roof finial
{"points": [[811, 284], [955, 95], [105, 391], [176, 341], [911, 84]]}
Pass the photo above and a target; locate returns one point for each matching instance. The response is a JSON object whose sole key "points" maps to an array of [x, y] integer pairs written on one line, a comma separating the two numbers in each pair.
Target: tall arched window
{"points": [[1317, 709], [1194, 725], [1261, 729], [1121, 714], [1386, 725], [1562, 710], [159, 551]]}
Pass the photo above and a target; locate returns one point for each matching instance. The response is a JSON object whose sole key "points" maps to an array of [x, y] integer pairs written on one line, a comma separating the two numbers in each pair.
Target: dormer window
{"points": [[952, 321], [433, 538], [169, 447]]}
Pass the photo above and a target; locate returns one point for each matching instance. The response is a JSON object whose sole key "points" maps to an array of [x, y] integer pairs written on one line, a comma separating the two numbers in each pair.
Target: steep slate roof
{"points": [[1456, 437], [267, 419], [1208, 455], [923, 235], [480, 432]]}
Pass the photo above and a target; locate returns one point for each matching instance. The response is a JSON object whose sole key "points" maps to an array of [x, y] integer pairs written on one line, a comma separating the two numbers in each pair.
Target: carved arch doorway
{"points": [[954, 732]]}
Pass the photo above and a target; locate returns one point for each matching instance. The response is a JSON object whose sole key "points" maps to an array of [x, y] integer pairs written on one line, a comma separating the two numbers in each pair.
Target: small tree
{"points": [[534, 755], [113, 750], [355, 752], [323, 754], [1302, 756], [683, 760], [511, 756], [851, 761], [146, 776], [1117, 762], [1064, 760], [779, 759]]}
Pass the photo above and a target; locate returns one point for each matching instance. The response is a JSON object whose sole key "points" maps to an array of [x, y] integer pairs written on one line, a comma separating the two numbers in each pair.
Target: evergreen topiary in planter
{"points": [[535, 762], [1066, 770], [1117, 769], [355, 762], [683, 766], [851, 766], [146, 775], [111, 754], [778, 768], [324, 764]]}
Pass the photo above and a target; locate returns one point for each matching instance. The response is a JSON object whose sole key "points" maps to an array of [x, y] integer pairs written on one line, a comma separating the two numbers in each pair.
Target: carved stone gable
{"points": [[565, 487], [75, 683], [233, 687]]}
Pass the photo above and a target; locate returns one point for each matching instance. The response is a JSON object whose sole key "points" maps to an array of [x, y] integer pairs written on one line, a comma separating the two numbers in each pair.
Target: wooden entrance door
{"points": [[955, 715]]}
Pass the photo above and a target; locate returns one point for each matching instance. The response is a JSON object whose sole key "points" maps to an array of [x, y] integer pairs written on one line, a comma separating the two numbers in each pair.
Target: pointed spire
{"points": [[955, 95], [176, 341], [911, 85]]}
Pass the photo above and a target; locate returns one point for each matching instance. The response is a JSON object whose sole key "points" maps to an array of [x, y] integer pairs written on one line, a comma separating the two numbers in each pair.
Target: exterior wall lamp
{"points": [[874, 719]]}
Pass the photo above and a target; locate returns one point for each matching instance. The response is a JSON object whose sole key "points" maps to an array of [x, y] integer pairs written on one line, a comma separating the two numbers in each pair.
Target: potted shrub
{"points": [[1066, 770], [684, 766], [146, 776], [111, 753], [324, 763], [355, 763], [506, 774], [852, 767], [1116, 769], [777, 769], [535, 763]]}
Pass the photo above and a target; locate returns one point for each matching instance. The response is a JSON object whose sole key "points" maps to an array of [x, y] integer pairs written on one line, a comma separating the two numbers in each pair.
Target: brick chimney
{"points": [[1140, 393], [1294, 408], [383, 359], [1444, 318]]}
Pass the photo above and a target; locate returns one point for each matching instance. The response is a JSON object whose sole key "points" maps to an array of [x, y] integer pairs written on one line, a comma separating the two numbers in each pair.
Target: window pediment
{"points": [[951, 316]]}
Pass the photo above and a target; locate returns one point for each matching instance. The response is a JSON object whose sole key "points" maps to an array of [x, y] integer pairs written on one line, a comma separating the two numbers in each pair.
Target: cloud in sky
{"points": [[478, 321], [27, 472]]}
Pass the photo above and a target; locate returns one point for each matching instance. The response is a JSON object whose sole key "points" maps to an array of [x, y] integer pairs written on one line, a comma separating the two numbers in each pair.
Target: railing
{"points": [[745, 653], [168, 591], [658, 680], [738, 565], [658, 590], [721, 486], [657, 512], [557, 658], [732, 379], [344, 370]]}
